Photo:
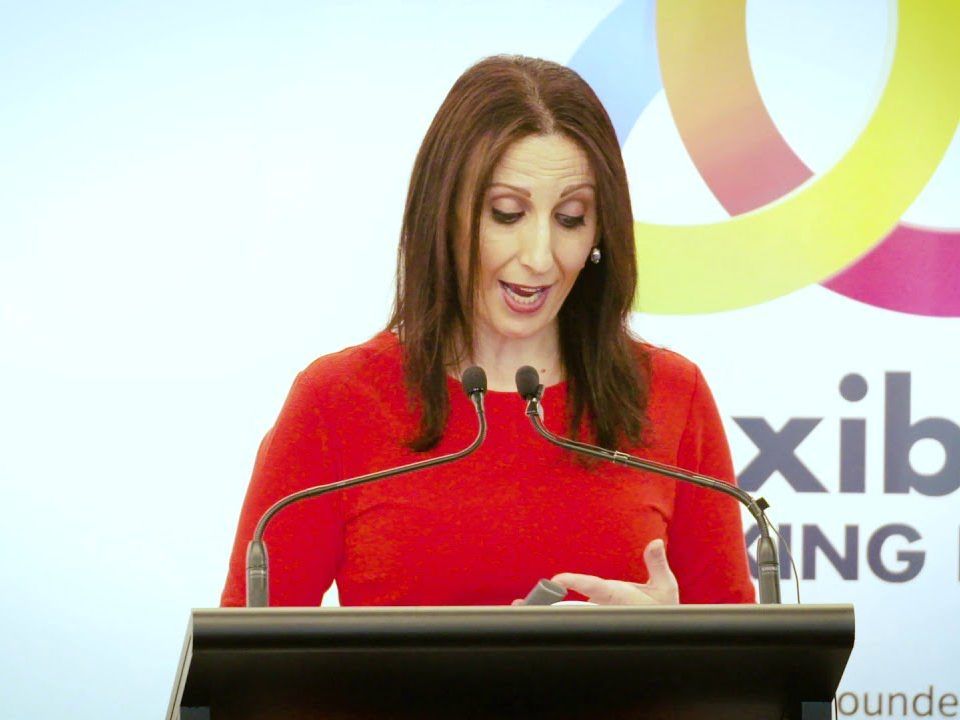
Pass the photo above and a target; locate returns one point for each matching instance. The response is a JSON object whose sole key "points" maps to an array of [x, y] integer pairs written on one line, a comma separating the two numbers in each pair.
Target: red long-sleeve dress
{"points": [[483, 530]]}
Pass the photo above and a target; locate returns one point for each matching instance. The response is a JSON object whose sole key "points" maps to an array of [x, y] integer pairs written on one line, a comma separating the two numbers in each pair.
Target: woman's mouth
{"points": [[524, 298]]}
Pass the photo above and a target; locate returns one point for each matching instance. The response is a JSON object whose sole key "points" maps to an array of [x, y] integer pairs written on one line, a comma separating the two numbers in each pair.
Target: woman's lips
{"points": [[524, 299]]}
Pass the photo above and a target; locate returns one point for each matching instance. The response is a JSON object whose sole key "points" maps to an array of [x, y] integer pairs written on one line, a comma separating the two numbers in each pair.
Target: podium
{"points": [[692, 661]]}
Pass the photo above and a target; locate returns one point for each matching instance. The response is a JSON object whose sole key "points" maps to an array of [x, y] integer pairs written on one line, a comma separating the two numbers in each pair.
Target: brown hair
{"points": [[492, 105]]}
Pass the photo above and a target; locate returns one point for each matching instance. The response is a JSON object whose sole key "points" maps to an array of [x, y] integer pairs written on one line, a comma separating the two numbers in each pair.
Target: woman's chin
{"points": [[497, 318], [520, 328]]}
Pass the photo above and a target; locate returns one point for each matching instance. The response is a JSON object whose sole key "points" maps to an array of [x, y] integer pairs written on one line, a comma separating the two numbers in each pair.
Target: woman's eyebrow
{"points": [[526, 193], [573, 188], [522, 191]]}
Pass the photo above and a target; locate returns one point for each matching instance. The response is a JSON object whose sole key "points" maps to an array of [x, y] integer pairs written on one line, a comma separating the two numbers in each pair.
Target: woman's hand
{"points": [[660, 588]]}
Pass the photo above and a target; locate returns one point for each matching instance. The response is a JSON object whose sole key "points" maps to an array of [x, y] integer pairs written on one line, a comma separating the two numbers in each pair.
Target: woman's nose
{"points": [[536, 251]]}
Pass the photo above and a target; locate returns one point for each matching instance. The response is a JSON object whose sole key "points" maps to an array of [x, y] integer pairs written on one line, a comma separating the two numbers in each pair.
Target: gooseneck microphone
{"points": [[474, 382], [530, 389]]}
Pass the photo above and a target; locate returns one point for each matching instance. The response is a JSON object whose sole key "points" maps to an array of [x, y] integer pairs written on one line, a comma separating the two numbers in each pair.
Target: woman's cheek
{"points": [[496, 249], [574, 257]]}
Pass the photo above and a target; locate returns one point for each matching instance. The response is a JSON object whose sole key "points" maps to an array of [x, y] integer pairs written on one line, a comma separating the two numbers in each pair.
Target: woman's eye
{"points": [[506, 218], [570, 221]]}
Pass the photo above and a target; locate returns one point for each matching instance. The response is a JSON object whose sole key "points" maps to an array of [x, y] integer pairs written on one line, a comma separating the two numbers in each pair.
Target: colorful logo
{"points": [[788, 228]]}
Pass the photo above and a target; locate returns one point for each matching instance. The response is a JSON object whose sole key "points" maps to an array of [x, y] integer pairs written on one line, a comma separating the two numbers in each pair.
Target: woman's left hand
{"points": [[660, 589]]}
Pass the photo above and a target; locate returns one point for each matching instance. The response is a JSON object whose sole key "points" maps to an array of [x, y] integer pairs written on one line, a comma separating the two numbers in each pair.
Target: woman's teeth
{"points": [[522, 294]]}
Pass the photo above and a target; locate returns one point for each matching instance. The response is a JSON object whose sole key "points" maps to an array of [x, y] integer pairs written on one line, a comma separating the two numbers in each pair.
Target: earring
{"points": [[595, 256]]}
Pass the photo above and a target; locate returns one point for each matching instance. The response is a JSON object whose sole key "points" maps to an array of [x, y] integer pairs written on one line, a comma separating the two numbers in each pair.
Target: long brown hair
{"points": [[492, 105]]}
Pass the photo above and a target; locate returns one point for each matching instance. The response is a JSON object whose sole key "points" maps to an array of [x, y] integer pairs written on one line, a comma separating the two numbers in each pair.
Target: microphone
{"points": [[545, 592], [474, 382], [530, 389]]}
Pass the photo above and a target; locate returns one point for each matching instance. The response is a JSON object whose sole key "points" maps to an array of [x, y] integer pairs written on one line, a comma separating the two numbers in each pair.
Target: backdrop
{"points": [[196, 200]]}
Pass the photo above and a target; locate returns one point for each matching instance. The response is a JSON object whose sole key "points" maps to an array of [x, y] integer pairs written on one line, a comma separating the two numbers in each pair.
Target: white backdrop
{"points": [[197, 201]]}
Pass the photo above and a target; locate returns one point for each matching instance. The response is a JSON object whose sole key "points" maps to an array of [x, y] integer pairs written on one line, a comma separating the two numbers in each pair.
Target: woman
{"points": [[516, 249]]}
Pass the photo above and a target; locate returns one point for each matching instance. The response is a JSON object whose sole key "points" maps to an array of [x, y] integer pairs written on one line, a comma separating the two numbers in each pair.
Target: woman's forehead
{"points": [[554, 159]]}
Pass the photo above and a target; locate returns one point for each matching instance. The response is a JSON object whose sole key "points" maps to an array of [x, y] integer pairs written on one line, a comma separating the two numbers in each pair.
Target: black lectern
{"points": [[694, 661]]}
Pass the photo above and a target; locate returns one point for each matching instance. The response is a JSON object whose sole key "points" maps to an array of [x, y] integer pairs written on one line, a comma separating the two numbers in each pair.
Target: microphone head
{"points": [[528, 382], [474, 380]]}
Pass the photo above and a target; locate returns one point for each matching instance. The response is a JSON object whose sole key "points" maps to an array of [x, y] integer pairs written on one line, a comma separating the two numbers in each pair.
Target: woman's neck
{"points": [[501, 357]]}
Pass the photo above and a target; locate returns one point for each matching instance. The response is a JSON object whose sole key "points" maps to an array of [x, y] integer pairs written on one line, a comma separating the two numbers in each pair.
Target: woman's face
{"points": [[538, 224]]}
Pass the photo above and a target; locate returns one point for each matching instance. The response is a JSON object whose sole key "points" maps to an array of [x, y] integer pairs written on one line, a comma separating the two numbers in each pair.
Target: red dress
{"points": [[483, 530]]}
